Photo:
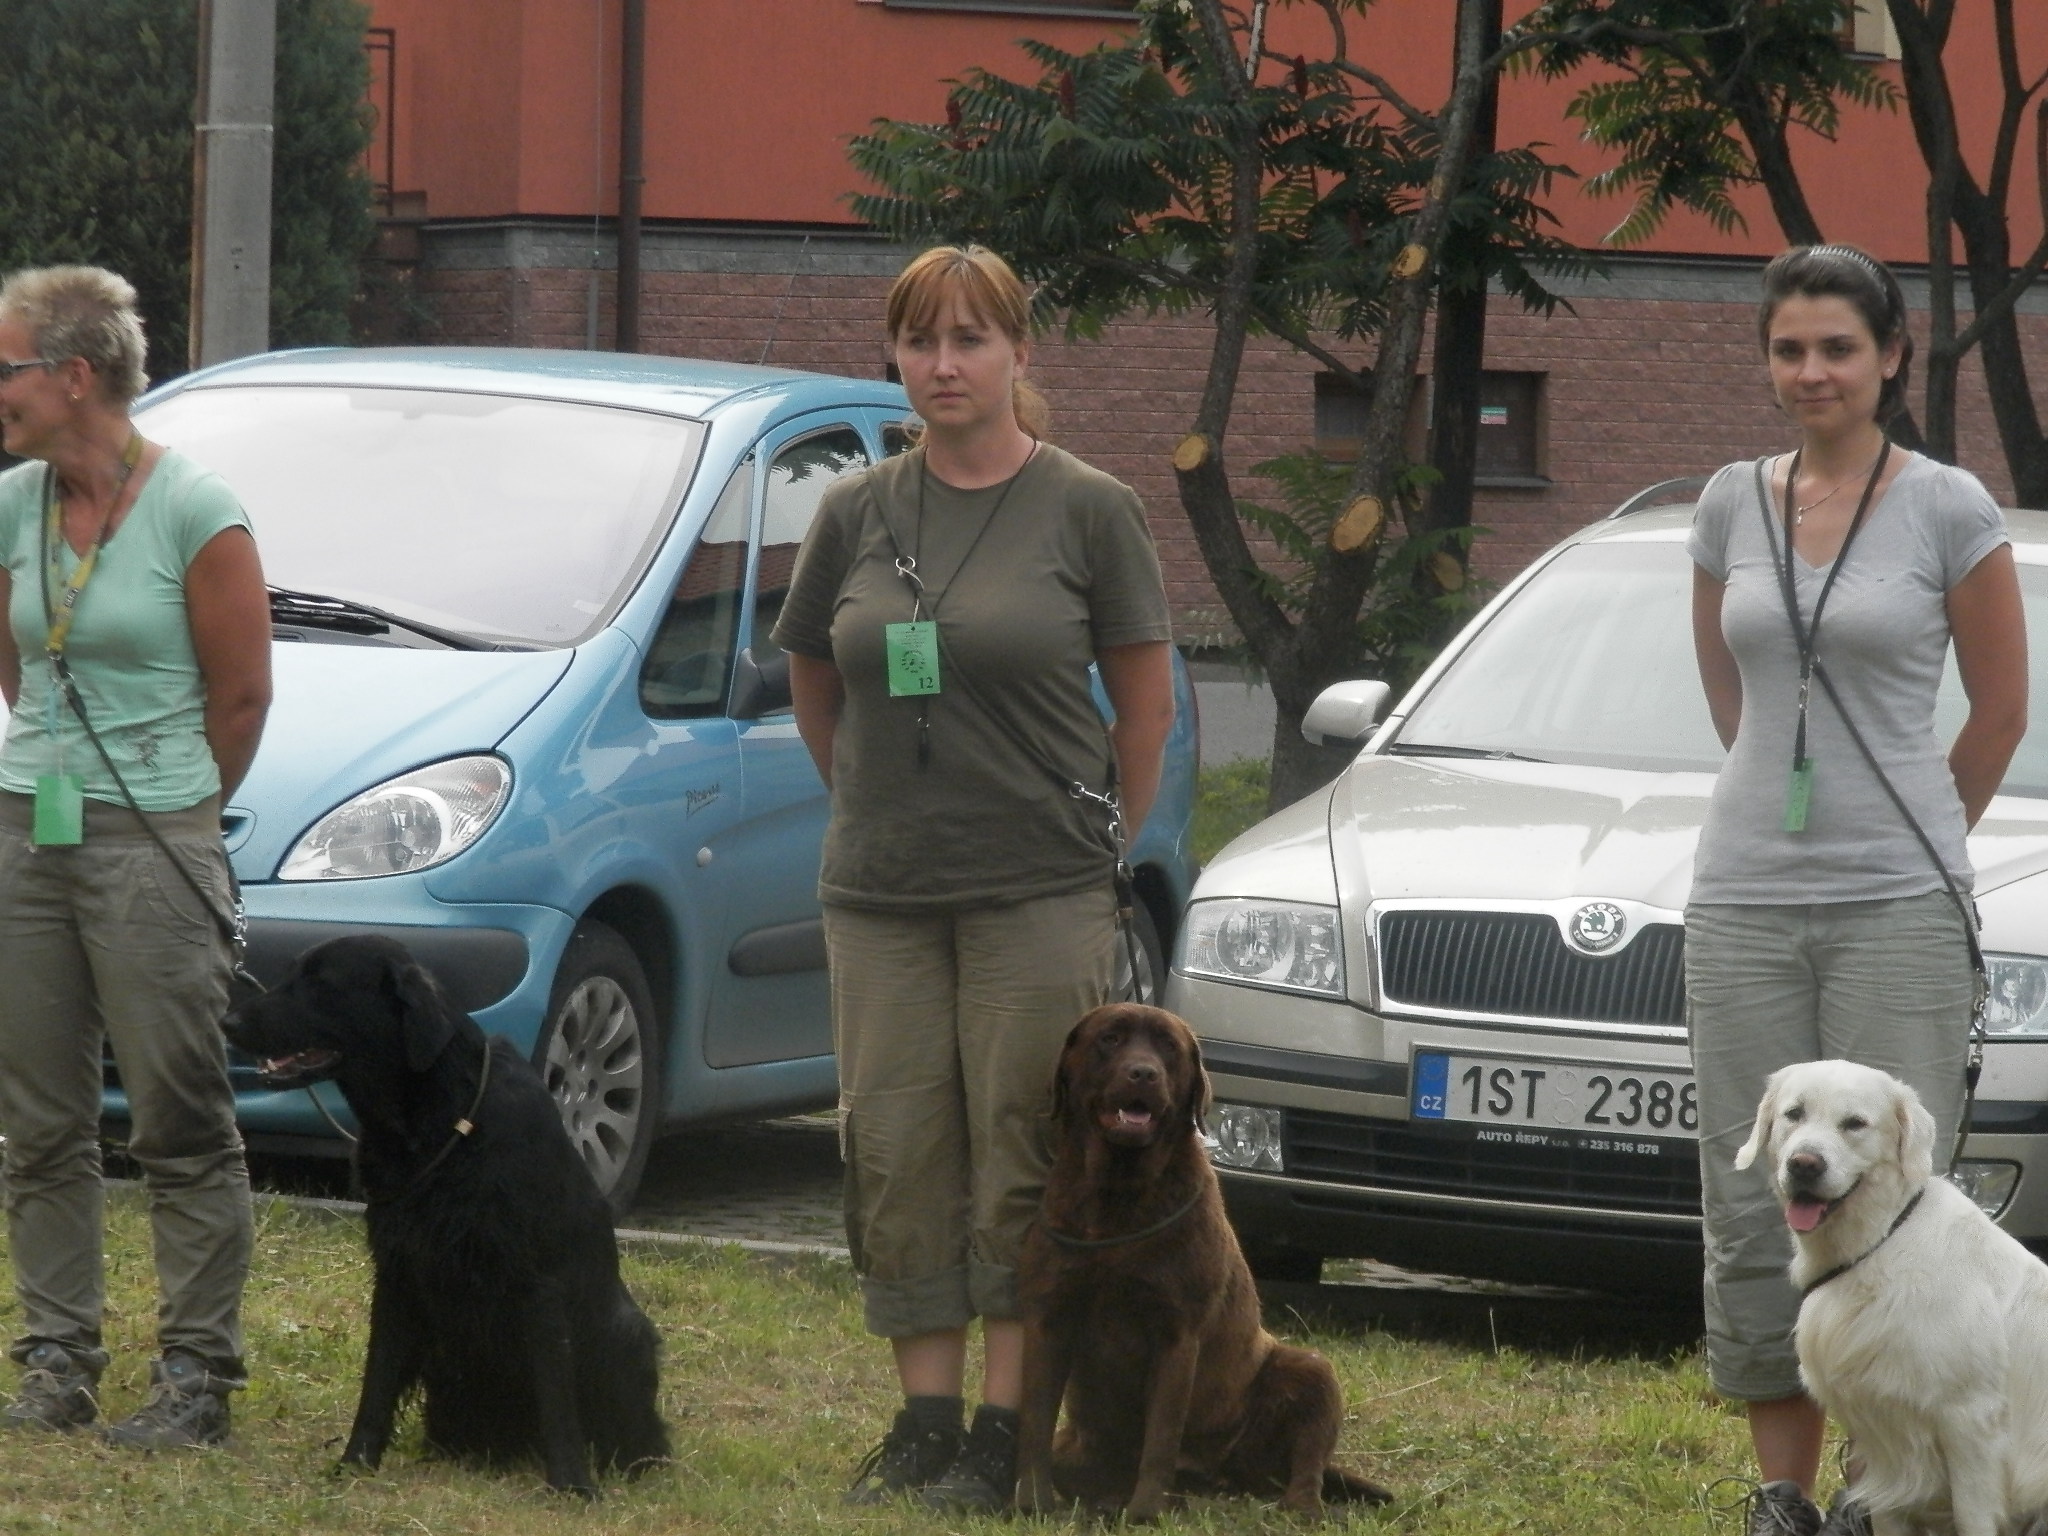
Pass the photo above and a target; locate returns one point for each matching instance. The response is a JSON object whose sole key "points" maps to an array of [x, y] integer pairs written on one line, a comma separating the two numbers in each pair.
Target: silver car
{"points": [[1442, 999]]}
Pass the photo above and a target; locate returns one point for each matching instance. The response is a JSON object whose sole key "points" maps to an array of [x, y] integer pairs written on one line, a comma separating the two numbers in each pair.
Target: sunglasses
{"points": [[9, 370]]}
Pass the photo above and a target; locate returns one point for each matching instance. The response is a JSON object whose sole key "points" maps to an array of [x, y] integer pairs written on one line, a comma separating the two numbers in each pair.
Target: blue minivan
{"points": [[529, 721]]}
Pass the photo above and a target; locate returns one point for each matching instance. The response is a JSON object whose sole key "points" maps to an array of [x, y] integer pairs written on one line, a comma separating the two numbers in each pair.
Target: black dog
{"points": [[497, 1275]]}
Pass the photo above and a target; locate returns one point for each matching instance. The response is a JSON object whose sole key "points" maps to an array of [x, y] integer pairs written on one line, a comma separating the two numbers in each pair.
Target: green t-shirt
{"points": [[130, 646], [1027, 581]]}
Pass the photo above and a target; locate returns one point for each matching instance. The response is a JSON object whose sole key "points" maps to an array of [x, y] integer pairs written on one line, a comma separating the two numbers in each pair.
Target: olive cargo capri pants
{"points": [[105, 941], [1884, 983], [949, 1026]]}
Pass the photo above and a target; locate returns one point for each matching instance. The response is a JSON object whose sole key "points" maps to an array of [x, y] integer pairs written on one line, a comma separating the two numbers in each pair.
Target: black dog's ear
{"points": [[424, 1017]]}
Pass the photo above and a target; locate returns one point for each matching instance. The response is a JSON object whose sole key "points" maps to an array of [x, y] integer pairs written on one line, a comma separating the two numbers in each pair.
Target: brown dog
{"points": [[1138, 1308]]}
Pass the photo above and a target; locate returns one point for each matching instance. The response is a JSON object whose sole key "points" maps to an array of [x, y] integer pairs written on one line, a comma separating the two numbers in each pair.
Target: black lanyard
{"points": [[1806, 637], [907, 568]]}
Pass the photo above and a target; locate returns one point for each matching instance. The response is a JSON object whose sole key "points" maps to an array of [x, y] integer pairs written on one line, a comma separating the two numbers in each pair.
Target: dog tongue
{"points": [[1134, 1119], [1804, 1214]]}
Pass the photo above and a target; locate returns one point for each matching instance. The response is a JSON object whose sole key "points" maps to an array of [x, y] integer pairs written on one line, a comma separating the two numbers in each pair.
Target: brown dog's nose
{"points": [[1142, 1072], [1805, 1166]]}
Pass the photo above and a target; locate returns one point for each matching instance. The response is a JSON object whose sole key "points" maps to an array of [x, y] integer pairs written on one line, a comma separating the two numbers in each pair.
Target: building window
{"points": [[1512, 425], [1340, 418], [1092, 10], [1512, 429], [1868, 31]]}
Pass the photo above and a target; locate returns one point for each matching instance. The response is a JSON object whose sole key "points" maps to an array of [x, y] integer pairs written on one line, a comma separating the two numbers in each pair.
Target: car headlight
{"points": [[1285, 944], [414, 821], [1248, 1137], [1988, 1184], [2019, 995]]}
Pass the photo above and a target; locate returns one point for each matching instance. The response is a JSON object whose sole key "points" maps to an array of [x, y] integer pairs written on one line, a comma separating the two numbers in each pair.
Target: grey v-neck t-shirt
{"points": [[1883, 640], [1028, 581]]}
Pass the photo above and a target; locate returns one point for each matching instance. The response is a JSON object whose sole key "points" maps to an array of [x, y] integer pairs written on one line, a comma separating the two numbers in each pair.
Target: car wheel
{"points": [[600, 1055], [1150, 980], [1289, 1264]]}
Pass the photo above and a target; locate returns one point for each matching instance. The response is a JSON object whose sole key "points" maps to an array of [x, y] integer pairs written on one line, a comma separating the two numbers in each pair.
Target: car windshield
{"points": [[516, 521], [1592, 663]]}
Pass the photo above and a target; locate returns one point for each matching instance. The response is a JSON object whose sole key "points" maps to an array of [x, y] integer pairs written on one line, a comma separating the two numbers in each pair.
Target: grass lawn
{"points": [[1482, 1425], [1229, 798]]}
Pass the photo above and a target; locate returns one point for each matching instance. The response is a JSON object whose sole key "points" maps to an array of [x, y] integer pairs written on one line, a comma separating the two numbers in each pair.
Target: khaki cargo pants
{"points": [[948, 1027], [105, 942]]}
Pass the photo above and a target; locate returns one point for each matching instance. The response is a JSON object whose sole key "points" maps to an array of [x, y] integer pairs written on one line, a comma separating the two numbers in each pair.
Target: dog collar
{"points": [[1067, 1240], [1840, 1270], [462, 1129]]}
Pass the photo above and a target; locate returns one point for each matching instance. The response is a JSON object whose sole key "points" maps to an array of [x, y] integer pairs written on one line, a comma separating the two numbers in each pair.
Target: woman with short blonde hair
{"points": [[136, 662]]}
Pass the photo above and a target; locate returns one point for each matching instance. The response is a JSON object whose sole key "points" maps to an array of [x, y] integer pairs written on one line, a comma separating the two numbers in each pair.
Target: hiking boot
{"points": [[187, 1405], [983, 1477], [909, 1458], [57, 1391], [1780, 1509], [1846, 1516]]}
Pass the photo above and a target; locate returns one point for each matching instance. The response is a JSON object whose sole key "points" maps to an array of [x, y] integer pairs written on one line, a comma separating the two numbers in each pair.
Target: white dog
{"points": [[1924, 1328]]}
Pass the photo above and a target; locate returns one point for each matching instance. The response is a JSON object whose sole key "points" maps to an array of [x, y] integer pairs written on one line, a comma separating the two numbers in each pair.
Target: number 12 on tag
{"points": [[913, 652]]}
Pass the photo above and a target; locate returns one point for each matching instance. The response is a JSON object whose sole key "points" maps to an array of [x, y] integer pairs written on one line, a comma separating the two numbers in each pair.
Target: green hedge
{"points": [[96, 109]]}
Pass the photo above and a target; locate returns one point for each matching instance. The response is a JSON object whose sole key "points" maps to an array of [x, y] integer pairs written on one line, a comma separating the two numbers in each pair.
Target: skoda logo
{"points": [[1597, 927]]}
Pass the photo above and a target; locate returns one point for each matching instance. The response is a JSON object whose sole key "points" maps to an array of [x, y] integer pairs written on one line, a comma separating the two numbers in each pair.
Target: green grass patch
{"points": [[773, 1392], [1229, 798]]}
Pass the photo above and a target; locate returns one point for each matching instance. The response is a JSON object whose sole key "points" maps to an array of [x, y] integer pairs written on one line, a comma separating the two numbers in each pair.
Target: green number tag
{"points": [[60, 811], [913, 651], [1797, 794]]}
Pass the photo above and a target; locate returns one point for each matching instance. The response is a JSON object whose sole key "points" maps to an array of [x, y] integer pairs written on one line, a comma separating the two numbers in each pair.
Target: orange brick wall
{"points": [[1639, 389]]}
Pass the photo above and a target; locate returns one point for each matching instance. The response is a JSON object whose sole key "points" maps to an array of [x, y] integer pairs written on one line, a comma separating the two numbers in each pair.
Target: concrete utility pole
{"points": [[632, 174], [231, 179]]}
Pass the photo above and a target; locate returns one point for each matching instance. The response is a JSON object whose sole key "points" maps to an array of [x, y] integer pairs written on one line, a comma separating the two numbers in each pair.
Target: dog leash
{"points": [[1840, 1270], [1973, 1068], [1068, 1240], [463, 1128]]}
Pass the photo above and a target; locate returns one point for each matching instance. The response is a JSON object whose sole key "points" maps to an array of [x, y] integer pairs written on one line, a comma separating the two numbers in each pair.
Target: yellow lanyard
{"points": [[64, 609]]}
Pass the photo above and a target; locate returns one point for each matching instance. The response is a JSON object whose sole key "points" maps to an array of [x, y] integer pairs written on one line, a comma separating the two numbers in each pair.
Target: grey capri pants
{"points": [[1884, 983]]}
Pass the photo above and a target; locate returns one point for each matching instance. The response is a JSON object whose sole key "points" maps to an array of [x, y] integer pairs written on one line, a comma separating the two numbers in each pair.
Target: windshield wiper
{"points": [[324, 612], [1491, 754]]}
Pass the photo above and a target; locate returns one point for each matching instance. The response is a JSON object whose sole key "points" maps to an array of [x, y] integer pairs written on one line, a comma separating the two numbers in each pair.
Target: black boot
{"points": [[922, 1443], [983, 1478]]}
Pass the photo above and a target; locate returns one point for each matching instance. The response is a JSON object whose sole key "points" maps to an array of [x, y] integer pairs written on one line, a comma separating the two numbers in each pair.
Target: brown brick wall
{"points": [[1637, 390]]}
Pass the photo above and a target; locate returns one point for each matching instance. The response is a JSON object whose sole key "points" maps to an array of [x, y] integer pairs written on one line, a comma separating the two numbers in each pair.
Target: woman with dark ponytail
{"points": [[1827, 910]]}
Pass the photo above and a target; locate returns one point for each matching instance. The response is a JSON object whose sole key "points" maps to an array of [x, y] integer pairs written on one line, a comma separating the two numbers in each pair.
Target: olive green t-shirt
{"points": [[130, 646], [1027, 581]]}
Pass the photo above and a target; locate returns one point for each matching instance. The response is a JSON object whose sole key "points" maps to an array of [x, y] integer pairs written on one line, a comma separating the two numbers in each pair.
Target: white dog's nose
{"points": [[1805, 1167]]}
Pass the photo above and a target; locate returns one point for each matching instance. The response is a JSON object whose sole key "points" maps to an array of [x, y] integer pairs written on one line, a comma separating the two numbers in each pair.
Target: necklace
{"points": [[1799, 512]]}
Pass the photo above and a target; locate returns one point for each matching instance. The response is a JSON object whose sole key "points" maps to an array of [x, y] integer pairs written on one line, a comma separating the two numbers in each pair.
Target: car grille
{"points": [[1517, 963], [1342, 1150]]}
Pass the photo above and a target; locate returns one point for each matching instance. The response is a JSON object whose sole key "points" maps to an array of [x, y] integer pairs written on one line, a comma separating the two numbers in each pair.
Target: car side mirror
{"points": [[1344, 714], [760, 687]]}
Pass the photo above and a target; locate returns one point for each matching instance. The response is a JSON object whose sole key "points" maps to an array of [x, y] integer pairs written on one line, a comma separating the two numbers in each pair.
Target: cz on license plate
{"points": [[1599, 1108]]}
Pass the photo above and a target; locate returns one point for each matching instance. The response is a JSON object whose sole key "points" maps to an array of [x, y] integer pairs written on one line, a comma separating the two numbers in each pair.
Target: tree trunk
{"points": [[1298, 768], [1330, 611], [1459, 362], [1773, 157], [1979, 215]]}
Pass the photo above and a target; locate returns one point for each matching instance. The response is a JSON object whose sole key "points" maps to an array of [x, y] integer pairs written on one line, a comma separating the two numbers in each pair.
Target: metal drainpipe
{"points": [[632, 131]]}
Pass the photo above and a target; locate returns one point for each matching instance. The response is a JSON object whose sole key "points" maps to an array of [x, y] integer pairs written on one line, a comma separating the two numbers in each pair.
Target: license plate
{"points": [[1600, 1108]]}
